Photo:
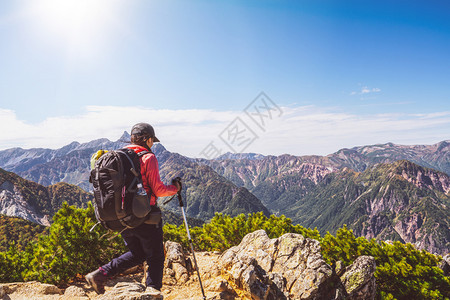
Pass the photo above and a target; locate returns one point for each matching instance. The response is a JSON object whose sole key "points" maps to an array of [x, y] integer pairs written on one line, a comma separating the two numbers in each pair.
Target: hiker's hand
{"points": [[178, 185], [177, 182]]}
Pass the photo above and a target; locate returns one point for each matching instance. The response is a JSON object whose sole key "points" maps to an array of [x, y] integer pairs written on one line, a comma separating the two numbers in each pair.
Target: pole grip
{"points": [[180, 199]]}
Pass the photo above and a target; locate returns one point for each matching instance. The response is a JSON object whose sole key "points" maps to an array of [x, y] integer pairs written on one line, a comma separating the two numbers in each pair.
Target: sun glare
{"points": [[83, 24]]}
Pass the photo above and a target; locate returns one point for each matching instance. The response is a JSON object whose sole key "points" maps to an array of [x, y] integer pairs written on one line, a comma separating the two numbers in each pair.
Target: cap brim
{"points": [[155, 139]]}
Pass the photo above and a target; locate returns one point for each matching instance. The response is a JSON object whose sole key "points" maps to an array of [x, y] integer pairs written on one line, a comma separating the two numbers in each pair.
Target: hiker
{"points": [[145, 242]]}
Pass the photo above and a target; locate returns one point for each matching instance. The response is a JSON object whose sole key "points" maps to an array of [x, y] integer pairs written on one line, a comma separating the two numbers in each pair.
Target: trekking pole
{"points": [[180, 201]]}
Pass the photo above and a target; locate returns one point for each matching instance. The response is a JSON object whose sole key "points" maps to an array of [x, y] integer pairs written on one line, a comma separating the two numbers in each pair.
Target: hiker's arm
{"points": [[153, 180]]}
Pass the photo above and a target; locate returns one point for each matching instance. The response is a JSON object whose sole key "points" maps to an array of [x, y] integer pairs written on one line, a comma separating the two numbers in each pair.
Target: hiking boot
{"points": [[156, 294], [97, 280]]}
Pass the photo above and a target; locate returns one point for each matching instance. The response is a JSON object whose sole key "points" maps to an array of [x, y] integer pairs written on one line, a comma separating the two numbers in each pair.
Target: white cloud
{"points": [[299, 131], [174, 127], [323, 131], [365, 90]]}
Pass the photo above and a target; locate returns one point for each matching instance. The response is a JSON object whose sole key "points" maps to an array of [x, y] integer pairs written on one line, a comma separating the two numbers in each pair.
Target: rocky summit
{"points": [[291, 267], [288, 267]]}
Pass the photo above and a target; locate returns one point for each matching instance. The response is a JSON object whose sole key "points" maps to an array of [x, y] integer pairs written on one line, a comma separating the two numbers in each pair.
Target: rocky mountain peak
{"points": [[125, 137], [422, 177], [66, 149], [443, 146]]}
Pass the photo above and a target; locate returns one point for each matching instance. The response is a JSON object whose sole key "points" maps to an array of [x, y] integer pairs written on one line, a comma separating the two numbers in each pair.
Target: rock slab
{"points": [[292, 267]]}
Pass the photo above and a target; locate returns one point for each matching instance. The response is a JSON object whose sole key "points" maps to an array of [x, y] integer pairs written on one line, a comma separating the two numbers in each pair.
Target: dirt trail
{"points": [[190, 290]]}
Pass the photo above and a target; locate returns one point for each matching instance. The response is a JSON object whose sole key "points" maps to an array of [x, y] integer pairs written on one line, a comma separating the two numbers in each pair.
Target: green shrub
{"points": [[11, 264], [223, 231], [67, 250], [402, 272], [70, 248]]}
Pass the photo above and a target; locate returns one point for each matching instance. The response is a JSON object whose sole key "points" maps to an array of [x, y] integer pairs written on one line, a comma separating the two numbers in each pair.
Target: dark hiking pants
{"points": [[145, 243]]}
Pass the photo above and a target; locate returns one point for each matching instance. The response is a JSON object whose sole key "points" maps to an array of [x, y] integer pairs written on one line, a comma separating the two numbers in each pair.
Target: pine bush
{"points": [[69, 248]]}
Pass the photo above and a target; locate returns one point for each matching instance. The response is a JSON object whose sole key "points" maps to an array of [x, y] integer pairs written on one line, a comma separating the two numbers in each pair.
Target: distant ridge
{"points": [[304, 188], [436, 156], [230, 155]]}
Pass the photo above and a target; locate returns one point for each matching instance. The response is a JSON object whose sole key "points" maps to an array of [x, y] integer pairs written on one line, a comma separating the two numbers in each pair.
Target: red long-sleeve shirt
{"points": [[150, 176]]}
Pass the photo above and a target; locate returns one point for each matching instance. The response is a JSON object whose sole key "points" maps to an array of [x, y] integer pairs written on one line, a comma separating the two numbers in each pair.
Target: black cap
{"points": [[144, 129]]}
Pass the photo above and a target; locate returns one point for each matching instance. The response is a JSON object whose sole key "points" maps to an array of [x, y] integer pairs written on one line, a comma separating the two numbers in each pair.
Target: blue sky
{"points": [[344, 73]]}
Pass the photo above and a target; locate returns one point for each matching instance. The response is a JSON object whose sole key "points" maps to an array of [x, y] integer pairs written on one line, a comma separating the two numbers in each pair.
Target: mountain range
{"points": [[397, 201], [384, 191], [207, 191]]}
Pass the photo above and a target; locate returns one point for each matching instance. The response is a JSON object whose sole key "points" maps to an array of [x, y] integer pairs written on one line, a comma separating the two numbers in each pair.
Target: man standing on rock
{"points": [[145, 242]]}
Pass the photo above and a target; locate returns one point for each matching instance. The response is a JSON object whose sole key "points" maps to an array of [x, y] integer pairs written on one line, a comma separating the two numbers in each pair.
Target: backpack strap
{"points": [[137, 177], [140, 155]]}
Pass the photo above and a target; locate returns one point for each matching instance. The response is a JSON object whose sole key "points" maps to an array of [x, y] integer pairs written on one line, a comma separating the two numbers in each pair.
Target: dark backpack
{"points": [[119, 202]]}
